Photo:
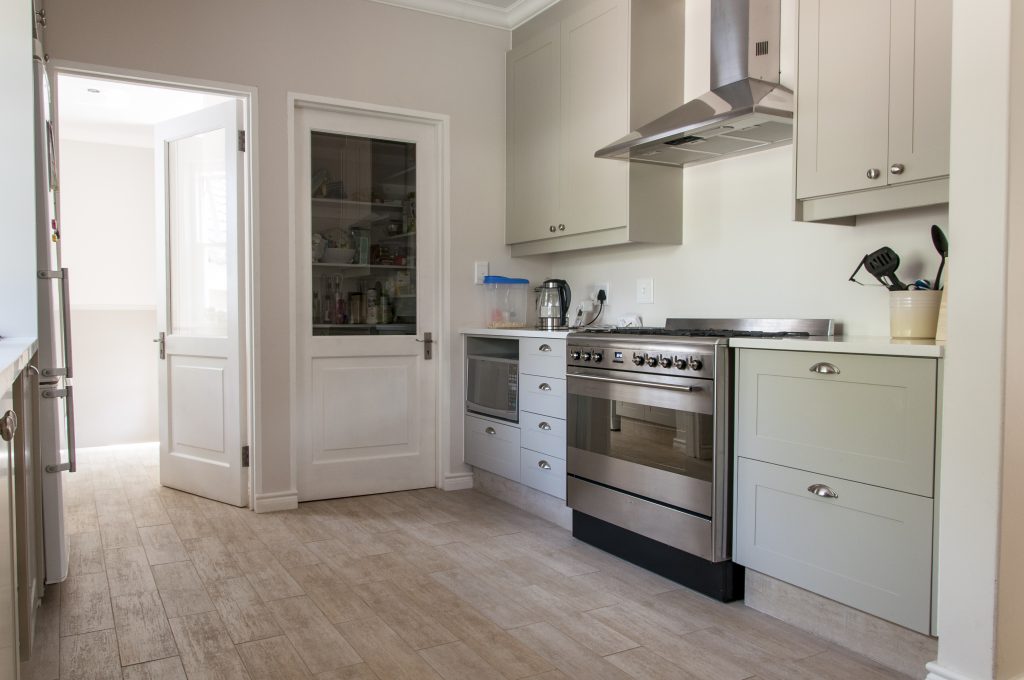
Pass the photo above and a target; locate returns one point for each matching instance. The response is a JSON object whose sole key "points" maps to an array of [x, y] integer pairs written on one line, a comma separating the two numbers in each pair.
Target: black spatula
{"points": [[882, 264]]}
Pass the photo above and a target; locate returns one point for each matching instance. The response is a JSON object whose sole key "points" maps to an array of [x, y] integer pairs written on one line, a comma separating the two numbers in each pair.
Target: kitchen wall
{"points": [[109, 245], [349, 49], [743, 255]]}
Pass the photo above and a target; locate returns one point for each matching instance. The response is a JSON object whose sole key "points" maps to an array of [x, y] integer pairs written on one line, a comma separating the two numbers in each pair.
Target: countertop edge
{"points": [[15, 354], [515, 332], [876, 345]]}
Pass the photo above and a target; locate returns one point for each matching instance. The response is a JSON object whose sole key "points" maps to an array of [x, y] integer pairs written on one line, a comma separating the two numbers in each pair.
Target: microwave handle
{"points": [[633, 383]]}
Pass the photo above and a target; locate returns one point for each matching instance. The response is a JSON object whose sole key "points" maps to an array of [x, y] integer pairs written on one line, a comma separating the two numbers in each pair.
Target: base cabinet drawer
{"points": [[543, 473], [543, 395], [493, 447], [867, 547], [869, 419], [542, 356], [543, 434]]}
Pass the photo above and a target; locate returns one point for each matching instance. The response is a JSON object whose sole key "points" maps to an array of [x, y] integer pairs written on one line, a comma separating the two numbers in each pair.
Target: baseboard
{"points": [[937, 672], [523, 497], [114, 448], [275, 502], [458, 482]]}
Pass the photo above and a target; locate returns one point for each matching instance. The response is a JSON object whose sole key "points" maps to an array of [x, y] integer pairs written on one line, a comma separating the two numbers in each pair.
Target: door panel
{"points": [[200, 267]]}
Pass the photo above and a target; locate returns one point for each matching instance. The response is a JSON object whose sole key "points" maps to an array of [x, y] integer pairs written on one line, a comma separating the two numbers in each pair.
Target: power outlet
{"points": [[480, 270], [645, 291], [599, 287]]}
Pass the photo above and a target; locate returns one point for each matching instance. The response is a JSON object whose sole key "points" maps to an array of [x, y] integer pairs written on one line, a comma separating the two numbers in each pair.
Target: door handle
{"points": [[428, 345], [544, 387], [490, 430], [822, 490], [544, 426], [162, 339], [68, 394], [825, 368], [543, 465], [65, 316], [545, 348], [8, 426]]}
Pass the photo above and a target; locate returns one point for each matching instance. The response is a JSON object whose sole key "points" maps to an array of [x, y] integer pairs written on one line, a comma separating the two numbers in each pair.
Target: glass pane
{"points": [[363, 235], [197, 207]]}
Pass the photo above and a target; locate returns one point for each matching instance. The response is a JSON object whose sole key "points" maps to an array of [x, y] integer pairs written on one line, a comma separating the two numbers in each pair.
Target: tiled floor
{"points": [[420, 584]]}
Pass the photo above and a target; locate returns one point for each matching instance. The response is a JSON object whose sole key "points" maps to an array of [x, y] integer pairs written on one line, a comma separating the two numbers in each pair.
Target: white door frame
{"points": [[443, 478], [248, 96]]}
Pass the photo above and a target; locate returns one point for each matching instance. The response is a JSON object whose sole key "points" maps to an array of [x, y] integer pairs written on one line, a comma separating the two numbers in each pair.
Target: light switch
{"points": [[480, 270], [645, 291]]}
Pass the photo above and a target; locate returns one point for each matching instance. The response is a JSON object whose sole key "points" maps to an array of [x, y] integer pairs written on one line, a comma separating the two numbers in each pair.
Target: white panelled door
{"points": [[367, 216], [200, 265]]}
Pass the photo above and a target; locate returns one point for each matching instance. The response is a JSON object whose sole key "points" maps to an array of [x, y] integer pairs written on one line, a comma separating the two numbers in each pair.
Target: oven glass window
{"points": [[673, 440]]}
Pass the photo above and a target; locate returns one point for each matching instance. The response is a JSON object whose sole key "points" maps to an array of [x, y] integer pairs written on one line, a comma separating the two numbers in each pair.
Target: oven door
{"points": [[649, 436]]}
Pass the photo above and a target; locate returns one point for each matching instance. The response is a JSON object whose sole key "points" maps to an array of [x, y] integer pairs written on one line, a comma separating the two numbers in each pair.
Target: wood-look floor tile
{"points": [[244, 615], [567, 655], [207, 652], [834, 665], [383, 567], [162, 544], [180, 589], [236, 535], [498, 607], [359, 671], [319, 644], [128, 571], [335, 598], [643, 664], [164, 669], [272, 659], [268, 578], [456, 660], [86, 554], [142, 630], [85, 604], [111, 502], [384, 651], [190, 523], [118, 531], [90, 656], [425, 558], [45, 661], [148, 511], [418, 629], [211, 559], [707, 654], [81, 519]]}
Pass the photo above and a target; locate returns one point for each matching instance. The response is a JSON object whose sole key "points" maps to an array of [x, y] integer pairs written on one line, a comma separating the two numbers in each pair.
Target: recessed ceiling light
{"points": [[93, 90]]}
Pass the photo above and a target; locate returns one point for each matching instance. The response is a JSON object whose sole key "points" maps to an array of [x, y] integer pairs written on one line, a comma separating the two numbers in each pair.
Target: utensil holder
{"points": [[913, 313]]}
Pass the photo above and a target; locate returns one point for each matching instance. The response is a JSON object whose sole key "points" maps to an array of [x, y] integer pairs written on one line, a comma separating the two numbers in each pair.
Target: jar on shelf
{"points": [[507, 302]]}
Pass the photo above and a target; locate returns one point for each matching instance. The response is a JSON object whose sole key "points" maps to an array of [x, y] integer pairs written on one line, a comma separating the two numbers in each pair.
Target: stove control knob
{"points": [[652, 361], [696, 364], [586, 356], [638, 359], [575, 355], [681, 364], [598, 356], [666, 362]]}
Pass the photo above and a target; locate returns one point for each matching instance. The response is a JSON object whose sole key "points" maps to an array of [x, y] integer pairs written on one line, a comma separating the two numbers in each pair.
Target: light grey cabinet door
{"points": [[544, 473], [492, 446], [8, 583], [869, 419], [868, 548]]}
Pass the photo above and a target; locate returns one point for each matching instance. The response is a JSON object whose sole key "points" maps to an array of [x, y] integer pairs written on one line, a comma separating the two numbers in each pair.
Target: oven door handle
{"points": [[620, 381]]}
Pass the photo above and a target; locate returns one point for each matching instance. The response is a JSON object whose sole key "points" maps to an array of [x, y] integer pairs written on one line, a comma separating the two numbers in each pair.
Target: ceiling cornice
{"points": [[477, 12]]}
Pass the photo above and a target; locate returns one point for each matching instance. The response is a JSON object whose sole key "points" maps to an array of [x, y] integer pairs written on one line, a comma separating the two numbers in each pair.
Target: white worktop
{"points": [[14, 357], [516, 332], [850, 344]]}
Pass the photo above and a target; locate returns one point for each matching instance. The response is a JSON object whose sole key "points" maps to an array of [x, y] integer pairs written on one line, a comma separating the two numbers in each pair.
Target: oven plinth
{"points": [[720, 580]]}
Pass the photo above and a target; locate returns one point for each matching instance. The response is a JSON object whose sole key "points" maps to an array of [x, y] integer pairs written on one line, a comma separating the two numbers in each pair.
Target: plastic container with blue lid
{"points": [[507, 302]]}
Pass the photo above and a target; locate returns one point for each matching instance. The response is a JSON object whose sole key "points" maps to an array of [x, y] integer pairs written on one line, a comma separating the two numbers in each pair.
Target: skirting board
{"points": [[523, 497], [937, 672], [274, 502], [886, 643], [458, 482]]}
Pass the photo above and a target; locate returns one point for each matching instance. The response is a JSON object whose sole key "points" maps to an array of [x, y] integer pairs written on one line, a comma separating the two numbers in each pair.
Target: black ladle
{"points": [[941, 245]]}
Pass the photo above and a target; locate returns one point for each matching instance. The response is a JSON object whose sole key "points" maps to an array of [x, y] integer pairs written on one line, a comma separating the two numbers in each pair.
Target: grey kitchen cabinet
{"points": [[835, 467], [493, 446], [872, 106], [8, 581], [578, 77]]}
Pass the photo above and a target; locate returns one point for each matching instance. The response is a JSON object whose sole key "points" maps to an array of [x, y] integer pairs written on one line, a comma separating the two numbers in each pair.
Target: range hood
{"points": [[746, 110]]}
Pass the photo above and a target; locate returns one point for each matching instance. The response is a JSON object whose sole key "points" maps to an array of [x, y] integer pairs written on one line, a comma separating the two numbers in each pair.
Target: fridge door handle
{"points": [[68, 393], [65, 313]]}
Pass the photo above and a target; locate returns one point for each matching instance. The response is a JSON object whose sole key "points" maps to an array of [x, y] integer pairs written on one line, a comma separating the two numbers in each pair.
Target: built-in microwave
{"points": [[492, 386]]}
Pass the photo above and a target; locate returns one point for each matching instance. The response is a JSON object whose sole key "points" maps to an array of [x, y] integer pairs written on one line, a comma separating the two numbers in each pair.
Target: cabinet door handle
{"points": [[822, 490], [490, 430], [561, 227], [897, 168], [544, 387], [874, 173], [544, 465], [552, 228], [545, 348], [825, 368], [544, 426], [8, 426]]}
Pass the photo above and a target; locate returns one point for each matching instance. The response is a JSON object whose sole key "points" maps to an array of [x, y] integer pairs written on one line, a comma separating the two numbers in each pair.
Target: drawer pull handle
{"points": [[544, 387], [544, 465], [825, 368], [545, 348], [544, 426], [490, 430], [822, 490]]}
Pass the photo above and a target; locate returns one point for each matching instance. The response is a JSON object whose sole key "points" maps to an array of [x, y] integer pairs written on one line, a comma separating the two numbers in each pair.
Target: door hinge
{"points": [[245, 456], [241, 140]]}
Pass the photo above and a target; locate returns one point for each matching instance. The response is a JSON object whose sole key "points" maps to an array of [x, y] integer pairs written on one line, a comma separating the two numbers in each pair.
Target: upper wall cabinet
{"points": [[579, 76], [872, 106]]}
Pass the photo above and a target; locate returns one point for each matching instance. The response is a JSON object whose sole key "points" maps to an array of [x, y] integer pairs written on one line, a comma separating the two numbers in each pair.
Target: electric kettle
{"points": [[553, 299]]}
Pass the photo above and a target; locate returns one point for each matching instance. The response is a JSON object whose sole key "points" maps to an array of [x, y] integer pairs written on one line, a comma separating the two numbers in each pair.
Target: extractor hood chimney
{"points": [[746, 110]]}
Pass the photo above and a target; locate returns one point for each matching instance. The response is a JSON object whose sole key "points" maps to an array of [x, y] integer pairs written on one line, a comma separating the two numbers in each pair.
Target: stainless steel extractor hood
{"points": [[746, 110]]}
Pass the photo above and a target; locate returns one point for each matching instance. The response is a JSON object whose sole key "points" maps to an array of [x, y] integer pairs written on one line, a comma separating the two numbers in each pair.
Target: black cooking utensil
{"points": [[942, 246], [882, 264]]}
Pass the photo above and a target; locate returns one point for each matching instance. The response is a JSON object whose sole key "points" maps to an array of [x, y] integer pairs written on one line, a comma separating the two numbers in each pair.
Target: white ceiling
{"points": [[506, 14]]}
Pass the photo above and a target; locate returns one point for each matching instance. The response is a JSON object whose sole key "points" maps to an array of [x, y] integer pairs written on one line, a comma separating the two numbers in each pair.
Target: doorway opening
{"points": [[154, 223]]}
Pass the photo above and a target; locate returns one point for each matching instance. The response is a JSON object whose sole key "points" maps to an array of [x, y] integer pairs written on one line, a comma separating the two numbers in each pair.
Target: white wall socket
{"points": [[599, 287], [480, 270], [645, 291]]}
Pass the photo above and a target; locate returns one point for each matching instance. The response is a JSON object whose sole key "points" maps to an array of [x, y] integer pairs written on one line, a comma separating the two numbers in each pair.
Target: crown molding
{"points": [[477, 12]]}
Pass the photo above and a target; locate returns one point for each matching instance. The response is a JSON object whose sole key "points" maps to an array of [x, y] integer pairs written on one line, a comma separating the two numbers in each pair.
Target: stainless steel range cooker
{"points": [[649, 457]]}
